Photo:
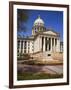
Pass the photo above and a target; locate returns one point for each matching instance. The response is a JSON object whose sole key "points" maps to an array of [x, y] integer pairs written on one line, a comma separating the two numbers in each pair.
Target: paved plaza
{"points": [[51, 69]]}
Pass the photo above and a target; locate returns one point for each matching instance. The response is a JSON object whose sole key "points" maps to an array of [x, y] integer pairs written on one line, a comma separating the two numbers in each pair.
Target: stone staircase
{"points": [[43, 56], [48, 57], [57, 56]]}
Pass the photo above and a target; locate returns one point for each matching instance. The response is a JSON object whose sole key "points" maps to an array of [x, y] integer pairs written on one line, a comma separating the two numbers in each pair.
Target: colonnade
{"points": [[49, 43], [45, 44], [23, 46]]}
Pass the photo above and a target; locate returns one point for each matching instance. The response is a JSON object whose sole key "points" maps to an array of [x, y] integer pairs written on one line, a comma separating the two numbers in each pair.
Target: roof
{"points": [[47, 32], [26, 38]]}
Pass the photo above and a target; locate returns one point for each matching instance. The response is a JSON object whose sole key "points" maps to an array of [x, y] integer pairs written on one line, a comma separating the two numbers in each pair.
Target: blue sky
{"points": [[52, 19]]}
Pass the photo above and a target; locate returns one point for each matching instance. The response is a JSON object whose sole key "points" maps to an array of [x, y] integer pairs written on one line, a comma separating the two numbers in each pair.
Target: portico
{"points": [[49, 44]]}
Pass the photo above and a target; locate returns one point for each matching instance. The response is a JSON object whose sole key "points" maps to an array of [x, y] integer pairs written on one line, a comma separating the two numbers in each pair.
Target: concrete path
{"points": [[56, 69], [52, 69]]}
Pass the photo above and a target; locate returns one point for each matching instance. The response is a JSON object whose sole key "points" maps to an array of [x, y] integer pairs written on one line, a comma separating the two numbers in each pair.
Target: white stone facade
{"points": [[41, 40]]}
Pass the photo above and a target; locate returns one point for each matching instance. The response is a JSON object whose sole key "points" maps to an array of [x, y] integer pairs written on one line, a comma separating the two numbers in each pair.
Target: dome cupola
{"points": [[39, 22], [38, 26]]}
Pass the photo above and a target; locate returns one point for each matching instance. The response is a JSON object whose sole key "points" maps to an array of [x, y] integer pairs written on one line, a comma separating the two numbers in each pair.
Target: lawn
{"points": [[35, 76]]}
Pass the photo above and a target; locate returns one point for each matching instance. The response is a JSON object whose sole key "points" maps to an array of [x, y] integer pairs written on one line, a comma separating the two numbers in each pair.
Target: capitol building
{"points": [[43, 42]]}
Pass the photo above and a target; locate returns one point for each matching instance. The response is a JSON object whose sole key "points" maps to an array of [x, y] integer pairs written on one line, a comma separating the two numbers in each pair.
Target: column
{"points": [[23, 46], [54, 45], [51, 44], [58, 45], [47, 44], [26, 46], [40, 43], [44, 44], [20, 46], [39, 28]]}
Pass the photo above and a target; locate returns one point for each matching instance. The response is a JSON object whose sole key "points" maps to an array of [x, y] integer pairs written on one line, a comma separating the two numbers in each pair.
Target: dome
{"points": [[39, 22]]}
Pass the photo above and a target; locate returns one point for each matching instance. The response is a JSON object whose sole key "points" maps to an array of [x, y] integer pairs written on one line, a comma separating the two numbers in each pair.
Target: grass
{"points": [[35, 76]]}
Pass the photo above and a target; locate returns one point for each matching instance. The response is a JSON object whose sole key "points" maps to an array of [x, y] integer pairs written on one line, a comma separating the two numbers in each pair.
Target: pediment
{"points": [[50, 33]]}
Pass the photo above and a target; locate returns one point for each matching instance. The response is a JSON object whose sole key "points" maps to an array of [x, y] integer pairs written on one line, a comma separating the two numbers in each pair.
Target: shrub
{"points": [[23, 56]]}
